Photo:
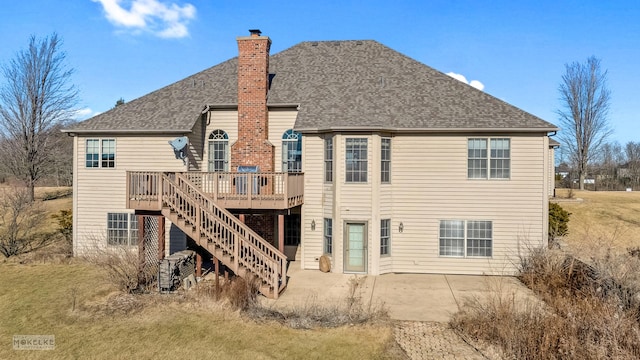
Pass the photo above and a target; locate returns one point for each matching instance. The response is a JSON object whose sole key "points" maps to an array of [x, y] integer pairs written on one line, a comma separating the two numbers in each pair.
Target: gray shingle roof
{"points": [[337, 85]]}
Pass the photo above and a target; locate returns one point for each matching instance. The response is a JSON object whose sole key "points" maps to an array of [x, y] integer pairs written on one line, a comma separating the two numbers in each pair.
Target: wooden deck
{"points": [[276, 191]]}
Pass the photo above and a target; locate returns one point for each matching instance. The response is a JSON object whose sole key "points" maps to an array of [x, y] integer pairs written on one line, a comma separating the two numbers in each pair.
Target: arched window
{"points": [[291, 151], [218, 151]]}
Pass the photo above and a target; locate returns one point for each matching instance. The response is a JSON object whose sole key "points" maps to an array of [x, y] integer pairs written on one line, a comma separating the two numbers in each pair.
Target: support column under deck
{"points": [[281, 233]]}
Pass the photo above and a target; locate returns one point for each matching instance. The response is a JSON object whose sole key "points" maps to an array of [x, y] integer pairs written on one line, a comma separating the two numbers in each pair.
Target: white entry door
{"points": [[355, 249]]}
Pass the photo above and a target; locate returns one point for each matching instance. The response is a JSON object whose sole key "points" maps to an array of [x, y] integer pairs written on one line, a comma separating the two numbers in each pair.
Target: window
{"points": [[500, 158], [328, 160], [385, 237], [479, 235], [100, 153], [328, 236], [93, 153], [218, 151], [122, 229], [356, 160], [497, 151], [478, 238], [451, 238], [291, 151], [385, 160]]}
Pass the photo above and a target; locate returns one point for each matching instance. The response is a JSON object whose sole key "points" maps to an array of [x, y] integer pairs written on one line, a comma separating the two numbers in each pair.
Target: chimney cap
{"points": [[255, 32]]}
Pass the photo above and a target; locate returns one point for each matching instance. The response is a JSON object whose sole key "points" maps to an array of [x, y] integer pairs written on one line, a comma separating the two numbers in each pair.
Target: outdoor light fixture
{"points": [[401, 227], [313, 225]]}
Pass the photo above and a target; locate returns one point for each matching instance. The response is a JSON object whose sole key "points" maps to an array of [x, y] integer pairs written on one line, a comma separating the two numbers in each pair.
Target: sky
{"points": [[513, 50]]}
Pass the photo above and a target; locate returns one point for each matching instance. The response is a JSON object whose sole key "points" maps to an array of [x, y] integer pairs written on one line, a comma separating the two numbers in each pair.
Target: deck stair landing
{"points": [[222, 234]]}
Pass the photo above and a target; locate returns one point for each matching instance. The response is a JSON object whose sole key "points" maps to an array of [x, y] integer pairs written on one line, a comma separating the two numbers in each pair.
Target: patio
{"points": [[410, 297]]}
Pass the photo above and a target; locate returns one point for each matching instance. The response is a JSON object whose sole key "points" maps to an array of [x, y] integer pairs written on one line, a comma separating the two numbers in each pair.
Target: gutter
{"points": [[428, 130], [73, 132]]}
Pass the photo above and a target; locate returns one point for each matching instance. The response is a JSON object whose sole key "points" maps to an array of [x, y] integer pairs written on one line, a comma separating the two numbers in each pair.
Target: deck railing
{"points": [[227, 189]]}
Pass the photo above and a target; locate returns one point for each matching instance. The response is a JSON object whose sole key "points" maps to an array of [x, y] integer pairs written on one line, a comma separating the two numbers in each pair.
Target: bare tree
{"points": [[632, 152], [585, 100], [21, 223], [35, 97]]}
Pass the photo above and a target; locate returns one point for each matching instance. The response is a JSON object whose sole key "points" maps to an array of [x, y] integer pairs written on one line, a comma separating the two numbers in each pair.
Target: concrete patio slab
{"points": [[409, 297]]}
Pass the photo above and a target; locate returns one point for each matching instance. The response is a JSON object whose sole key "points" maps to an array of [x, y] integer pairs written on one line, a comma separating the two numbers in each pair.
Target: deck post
{"points": [[128, 190], [160, 190], [281, 233], [161, 237], [216, 265], [216, 179], [198, 265], [286, 190]]}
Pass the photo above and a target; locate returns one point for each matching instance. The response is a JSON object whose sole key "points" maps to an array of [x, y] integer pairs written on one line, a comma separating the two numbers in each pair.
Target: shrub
{"points": [[241, 293], [65, 224], [584, 315], [316, 314], [57, 194], [558, 221], [122, 268]]}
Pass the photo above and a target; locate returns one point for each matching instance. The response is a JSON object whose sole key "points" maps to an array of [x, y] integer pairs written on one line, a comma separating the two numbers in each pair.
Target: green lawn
{"points": [[38, 300]]}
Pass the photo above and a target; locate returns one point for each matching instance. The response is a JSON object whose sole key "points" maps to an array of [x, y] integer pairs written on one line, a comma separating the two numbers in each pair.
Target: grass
{"points": [[609, 218], [38, 299], [90, 319]]}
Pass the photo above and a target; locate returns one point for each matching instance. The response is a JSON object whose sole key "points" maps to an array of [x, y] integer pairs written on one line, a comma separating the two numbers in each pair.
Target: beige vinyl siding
{"points": [[385, 195], [551, 171], [98, 191], [354, 201], [312, 210], [196, 148], [430, 184], [279, 122], [225, 120]]}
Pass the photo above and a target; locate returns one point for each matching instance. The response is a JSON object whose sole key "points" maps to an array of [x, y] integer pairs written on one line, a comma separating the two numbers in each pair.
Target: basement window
{"points": [[459, 238], [122, 229]]}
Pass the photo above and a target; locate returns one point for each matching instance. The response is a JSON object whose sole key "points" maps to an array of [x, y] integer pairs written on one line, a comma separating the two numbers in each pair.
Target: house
{"points": [[341, 148]]}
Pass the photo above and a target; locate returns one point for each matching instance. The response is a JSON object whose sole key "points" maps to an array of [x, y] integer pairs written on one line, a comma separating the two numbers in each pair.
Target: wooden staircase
{"points": [[222, 234]]}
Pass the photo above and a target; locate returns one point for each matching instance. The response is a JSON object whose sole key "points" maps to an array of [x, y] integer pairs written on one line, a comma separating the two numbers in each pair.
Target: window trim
{"points": [[466, 238], [327, 236], [384, 161], [218, 136], [100, 147], [291, 136], [328, 160], [488, 159], [351, 179], [132, 240], [385, 248]]}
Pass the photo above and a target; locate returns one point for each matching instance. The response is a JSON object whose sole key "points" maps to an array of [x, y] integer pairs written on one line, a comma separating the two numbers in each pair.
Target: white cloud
{"points": [[83, 113], [475, 83], [161, 18]]}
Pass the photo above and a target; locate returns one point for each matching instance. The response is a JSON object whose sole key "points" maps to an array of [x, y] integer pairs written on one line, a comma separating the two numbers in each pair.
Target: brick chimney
{"points": [[253, 147]]}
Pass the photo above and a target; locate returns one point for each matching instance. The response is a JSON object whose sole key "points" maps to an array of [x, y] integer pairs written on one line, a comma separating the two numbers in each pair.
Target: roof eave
{"points": [[231, 106], [125, 131], [423, 130]]}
